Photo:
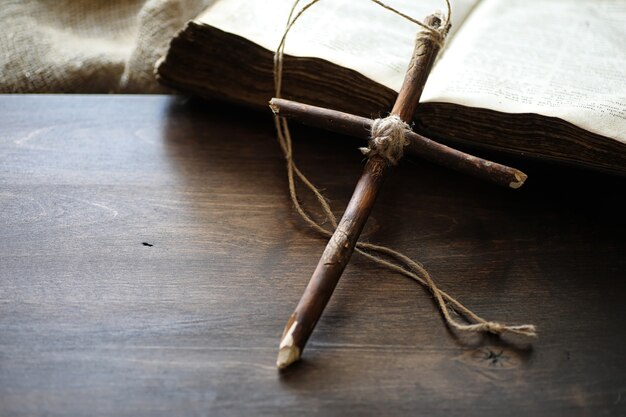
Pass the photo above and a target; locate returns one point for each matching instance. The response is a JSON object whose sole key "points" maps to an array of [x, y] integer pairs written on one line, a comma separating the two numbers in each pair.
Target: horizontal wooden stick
{"points": [[419, 145]]}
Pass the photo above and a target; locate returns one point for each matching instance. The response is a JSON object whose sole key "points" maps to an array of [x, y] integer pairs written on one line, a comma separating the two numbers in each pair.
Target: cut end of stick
{"points": [[286, 356], [520, 178], [274, 107], [288, 352]]}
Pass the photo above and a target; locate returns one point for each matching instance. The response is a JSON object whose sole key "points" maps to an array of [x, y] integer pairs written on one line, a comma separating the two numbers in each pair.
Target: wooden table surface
{"points": [[150, 257]]}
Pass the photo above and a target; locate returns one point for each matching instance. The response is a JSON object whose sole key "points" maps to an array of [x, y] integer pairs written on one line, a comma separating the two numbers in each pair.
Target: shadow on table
{"points": [[550, 253]]}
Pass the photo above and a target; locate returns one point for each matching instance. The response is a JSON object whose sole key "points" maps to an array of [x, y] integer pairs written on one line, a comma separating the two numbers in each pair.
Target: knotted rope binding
{"points": [[388, 139]]}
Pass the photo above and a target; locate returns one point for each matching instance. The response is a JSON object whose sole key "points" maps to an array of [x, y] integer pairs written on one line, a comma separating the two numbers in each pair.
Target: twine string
{"points": [[381, 255]]}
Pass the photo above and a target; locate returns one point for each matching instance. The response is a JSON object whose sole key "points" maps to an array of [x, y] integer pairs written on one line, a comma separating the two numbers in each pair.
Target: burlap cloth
{"points": [[87, 46]]}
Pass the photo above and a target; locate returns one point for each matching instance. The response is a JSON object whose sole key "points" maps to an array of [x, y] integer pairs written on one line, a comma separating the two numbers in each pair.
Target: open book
{"points": [[538, 78]]}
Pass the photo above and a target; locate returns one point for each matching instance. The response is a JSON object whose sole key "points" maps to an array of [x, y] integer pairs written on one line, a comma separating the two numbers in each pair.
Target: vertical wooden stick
{"points": [[341, 245]]}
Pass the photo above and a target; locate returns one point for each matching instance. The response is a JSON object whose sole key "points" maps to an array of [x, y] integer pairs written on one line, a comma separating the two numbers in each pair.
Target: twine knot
{"points": [[437, 33], [499, 328], [493, 327], [388, 139]]}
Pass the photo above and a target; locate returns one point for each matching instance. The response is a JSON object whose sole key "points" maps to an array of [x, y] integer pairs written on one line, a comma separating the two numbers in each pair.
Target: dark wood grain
{"points": [[92, 321]]}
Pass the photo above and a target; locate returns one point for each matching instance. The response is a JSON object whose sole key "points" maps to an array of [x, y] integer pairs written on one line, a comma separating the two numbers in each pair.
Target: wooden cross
{"points": [[341, 245]]}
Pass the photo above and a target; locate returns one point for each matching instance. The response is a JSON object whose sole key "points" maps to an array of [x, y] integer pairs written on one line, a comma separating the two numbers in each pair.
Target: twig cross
{"points": [[341, 245]]}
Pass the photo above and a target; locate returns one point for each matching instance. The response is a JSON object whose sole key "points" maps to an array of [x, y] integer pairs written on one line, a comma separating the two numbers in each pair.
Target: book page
{"points": [[561, 58], [359, 35]]}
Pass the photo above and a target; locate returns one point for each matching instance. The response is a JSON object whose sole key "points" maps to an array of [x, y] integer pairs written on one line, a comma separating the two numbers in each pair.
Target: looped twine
{"points": [[388, 139], [437, 34]]}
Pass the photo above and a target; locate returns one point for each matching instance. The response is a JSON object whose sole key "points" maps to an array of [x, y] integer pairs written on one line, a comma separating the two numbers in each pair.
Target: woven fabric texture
{"points": [[87, 46]]}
